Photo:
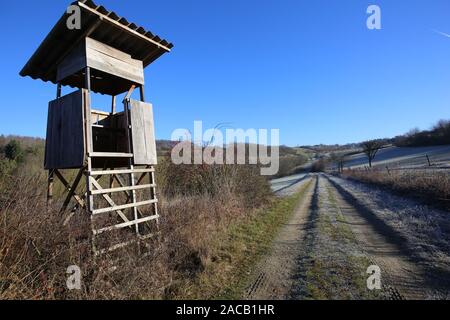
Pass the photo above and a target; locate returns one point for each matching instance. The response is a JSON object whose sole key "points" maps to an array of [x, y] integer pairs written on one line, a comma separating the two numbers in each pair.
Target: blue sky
{"points": [[309, 68]]}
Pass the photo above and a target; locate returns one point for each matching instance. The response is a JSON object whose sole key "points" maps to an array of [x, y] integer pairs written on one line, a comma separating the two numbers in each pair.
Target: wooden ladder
{"points": [[131, 214]]}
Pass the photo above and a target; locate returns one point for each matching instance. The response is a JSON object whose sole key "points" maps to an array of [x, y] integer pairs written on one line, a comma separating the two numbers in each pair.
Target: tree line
{"points": [[439, 134]]}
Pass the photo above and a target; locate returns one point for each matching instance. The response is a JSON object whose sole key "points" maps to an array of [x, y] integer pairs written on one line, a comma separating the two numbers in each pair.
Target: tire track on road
{"points": [[274, 275], [305, 250]]}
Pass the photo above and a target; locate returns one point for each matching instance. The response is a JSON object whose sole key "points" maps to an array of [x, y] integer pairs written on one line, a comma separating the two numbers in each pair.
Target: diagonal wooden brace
{"points": [[83, 197], [71, 189], [143, 176], [109, 200], [122, 184]]}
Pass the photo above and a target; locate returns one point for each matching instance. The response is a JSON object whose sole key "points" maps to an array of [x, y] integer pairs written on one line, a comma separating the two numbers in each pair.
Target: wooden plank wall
{"points": [[143, 133], [65, 135], [72, 63], [99, 56], [113, 61]]}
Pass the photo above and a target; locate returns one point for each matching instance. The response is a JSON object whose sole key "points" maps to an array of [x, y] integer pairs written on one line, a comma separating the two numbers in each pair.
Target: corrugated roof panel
{"points": [[109, 28], [113, 15], [149, 35], [103, 10]]}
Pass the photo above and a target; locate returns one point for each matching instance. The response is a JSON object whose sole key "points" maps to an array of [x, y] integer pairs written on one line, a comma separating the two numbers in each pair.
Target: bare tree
{"points": [[342, 161], [370, 148], [339, 160]]}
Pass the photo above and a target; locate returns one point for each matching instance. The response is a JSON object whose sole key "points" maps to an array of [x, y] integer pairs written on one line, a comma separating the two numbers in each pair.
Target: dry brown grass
{"points": [[36, 248], [432, 186]]}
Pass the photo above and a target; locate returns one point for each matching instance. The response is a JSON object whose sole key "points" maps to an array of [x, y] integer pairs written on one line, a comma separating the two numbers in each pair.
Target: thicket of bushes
{"points": [[197, 204], [320, 165], [439, 134], [20, 152], [290, 164]]}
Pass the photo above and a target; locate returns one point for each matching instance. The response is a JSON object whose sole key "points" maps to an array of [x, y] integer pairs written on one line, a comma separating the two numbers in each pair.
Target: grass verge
{"points": [[237, 252]]}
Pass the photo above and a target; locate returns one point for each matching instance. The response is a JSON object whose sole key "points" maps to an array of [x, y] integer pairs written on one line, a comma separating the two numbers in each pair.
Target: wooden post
{"points": [[51, 172], [142, 93], [152, 181], [428, 159], [113, 105], [389, 172], [113, 111], [130, 150], [87, 83], [87, 78], [111, 183], [50, 186], [89, 144]]}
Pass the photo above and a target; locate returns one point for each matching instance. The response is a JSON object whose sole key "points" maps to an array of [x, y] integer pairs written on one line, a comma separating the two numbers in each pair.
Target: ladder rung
{"points": [[115, 247], [109, 172], [101, 113], [125, 206], [112, 190], [110, 155], [124, 244], [125, 224]]}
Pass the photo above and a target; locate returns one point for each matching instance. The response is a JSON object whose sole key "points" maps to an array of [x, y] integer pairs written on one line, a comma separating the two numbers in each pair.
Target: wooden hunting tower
{"points": [[107, 55]]}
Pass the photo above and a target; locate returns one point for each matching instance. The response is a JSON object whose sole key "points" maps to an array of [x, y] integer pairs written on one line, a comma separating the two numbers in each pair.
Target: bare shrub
{"points": [[289, 164], [198, 203], [243, 181], [433, 186], [319, 165]]}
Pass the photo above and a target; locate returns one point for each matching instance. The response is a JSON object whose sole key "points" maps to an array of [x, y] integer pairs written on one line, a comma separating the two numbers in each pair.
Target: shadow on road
{"points": [[432, 276]]}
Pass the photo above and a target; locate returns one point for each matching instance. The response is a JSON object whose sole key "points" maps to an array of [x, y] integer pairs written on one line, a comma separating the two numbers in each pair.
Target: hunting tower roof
{"points": [[99, 24]]}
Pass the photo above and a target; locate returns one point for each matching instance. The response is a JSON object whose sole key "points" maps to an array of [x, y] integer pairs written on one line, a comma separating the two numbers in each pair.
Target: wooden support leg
{"points": [[50, 186], [152, 179], [142, 94], [130, 149]]}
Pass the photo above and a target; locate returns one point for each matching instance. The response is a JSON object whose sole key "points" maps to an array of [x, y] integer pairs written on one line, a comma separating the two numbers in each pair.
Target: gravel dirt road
{"points": [[340, 228]]}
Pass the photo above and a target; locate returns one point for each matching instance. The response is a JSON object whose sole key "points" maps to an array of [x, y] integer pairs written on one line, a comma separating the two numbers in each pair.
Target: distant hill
{"points": [[438, 134], [31, 151], [292, 159], [163, 146]]}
